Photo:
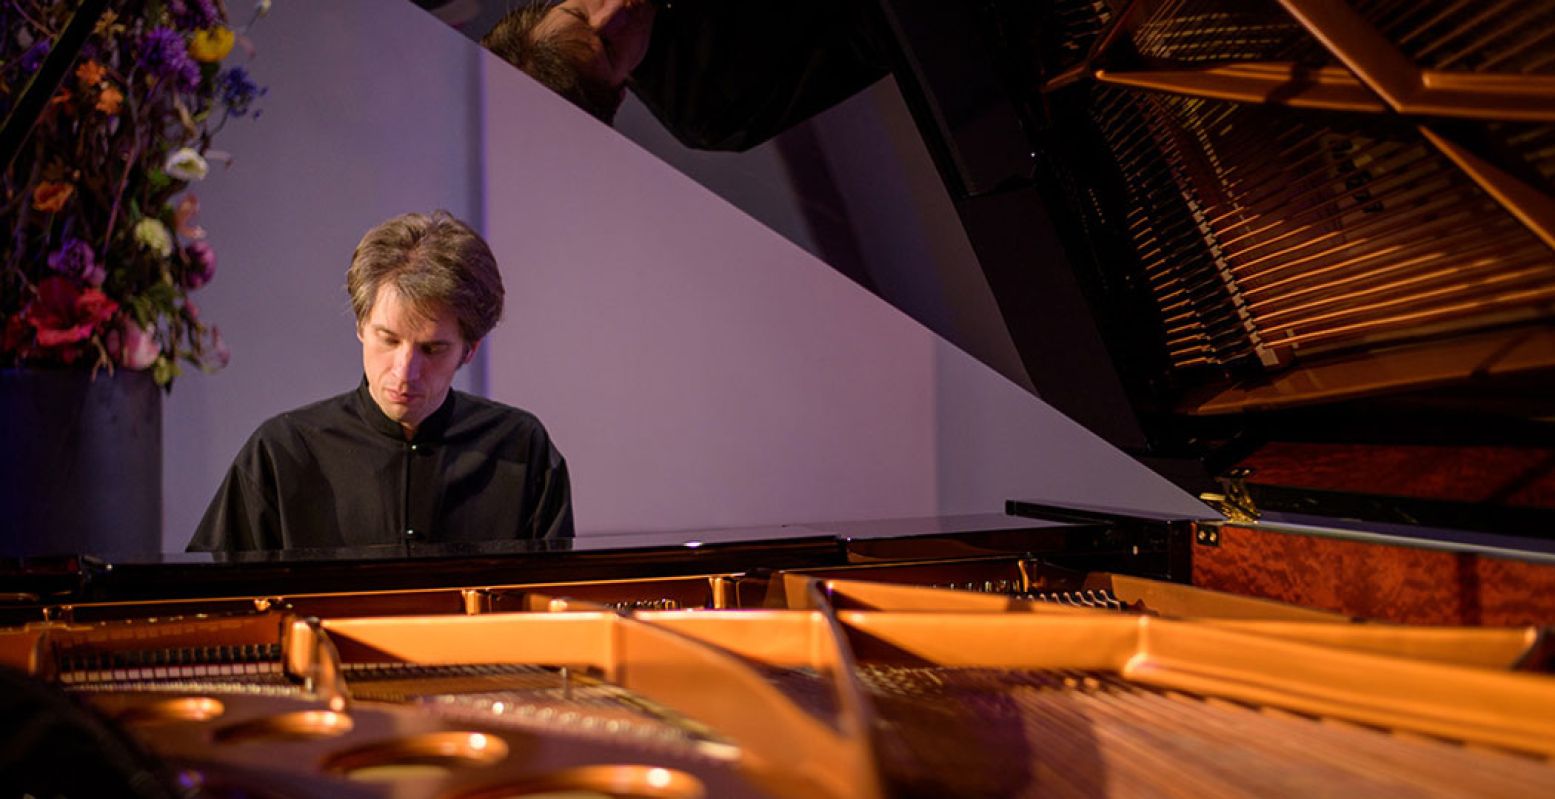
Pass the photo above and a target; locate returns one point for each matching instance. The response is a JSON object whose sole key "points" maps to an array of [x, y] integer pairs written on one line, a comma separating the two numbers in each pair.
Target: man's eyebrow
{"points": [[377, 328], [582, 33], [564, 11]]}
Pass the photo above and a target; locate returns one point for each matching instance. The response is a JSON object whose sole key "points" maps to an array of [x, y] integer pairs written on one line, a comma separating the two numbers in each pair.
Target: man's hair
{"points": [[436, 263], [552, 60]]}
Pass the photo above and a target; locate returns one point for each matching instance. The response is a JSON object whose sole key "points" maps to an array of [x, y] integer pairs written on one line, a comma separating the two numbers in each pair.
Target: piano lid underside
{"points": [[1312, 201]]}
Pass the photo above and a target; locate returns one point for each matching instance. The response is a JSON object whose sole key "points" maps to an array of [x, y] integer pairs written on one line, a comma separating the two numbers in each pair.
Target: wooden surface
{"points": [[1377, 581], [1500, 475]]}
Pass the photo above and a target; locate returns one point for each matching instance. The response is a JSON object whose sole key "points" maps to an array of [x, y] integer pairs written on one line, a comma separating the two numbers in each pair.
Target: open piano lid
{"points": [[1303, 244]]}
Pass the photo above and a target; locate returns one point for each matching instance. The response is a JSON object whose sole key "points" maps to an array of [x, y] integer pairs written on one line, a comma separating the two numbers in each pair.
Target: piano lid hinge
{"points": [[475, 601], [1234, 502]]}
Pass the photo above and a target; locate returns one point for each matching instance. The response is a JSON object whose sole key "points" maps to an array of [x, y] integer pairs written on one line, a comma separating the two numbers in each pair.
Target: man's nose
{"points": [[408, 363], [605, 13]]}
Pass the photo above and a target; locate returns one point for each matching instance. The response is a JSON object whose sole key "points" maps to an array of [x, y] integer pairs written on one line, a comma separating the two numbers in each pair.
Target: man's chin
{"points": [[397, 411]]}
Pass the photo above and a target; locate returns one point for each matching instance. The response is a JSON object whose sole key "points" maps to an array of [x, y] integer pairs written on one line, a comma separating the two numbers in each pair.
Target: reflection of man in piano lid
{"points": [[585, 50], [719, 74], [404, 457]]}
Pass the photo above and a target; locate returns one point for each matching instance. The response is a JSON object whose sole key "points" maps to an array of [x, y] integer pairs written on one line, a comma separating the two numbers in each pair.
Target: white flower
{"points": [[262, 7], [187, 165], [153, 235]]}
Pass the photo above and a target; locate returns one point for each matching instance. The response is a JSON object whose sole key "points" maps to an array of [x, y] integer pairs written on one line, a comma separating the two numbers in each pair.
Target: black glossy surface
{"points": [[58, 580]]}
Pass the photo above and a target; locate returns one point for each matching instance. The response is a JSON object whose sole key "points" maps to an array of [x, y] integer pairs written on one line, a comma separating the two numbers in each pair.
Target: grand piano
{"points": [[1299, 257]]}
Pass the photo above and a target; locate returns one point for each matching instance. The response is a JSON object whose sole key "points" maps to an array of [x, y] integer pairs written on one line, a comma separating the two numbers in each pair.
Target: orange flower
{"points": [[91, 73], [109, 100], [50, 197], [183, 217]]}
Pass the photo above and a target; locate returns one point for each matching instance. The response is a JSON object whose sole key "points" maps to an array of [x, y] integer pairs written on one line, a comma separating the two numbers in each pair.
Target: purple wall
{"points": [[347, 139], [697, 369], [700, 370]]}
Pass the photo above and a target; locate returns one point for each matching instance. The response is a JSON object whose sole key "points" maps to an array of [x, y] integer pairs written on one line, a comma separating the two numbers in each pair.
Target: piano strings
{"points": [[1347, 235], [1094, 734]]}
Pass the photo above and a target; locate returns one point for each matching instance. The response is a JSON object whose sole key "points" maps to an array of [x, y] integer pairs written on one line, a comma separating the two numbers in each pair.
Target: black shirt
{"points": [[338, 473]]}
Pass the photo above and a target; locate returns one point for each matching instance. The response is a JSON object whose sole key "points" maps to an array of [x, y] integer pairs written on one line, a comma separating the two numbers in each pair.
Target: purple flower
{"points": [[238, 91], [164, 55], [202, 264], [194, 14], [33, 58], [74, 259]]}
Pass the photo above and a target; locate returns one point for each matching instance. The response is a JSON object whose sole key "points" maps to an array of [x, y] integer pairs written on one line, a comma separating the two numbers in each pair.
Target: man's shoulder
{"points": [[503, 431], [321, 414], [475, 409], [478, 418]]}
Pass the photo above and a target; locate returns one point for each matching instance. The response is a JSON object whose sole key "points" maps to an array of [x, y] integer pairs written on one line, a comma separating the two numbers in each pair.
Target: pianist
{"points": [[719, 74], [403, 457]]}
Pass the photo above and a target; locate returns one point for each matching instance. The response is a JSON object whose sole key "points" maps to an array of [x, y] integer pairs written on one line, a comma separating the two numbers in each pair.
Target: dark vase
{"points": [[80, 463]]}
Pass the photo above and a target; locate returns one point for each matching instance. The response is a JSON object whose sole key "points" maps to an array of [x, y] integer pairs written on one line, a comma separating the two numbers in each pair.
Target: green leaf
{"points": [[140, 308], [161, 294]]}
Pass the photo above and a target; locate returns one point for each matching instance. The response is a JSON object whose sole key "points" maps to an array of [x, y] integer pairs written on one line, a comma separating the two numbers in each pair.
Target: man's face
{"points": [[409, 359], [616, 33]]}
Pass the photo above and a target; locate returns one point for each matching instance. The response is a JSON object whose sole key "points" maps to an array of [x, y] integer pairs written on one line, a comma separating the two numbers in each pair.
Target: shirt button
{"points": [[409, 533], [415, 447]]}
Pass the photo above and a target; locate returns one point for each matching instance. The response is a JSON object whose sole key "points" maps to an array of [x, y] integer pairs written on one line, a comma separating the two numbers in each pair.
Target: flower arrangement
{"points": [[103, 250]]}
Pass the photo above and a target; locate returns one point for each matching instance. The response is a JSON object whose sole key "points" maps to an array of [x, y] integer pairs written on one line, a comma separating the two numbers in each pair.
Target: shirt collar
{"points": [[431, 428]]}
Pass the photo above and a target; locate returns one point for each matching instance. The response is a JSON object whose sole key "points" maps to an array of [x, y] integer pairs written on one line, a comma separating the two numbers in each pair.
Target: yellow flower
{"points": [[108, 25], [109, 100], [211, 46], [91, 73], [50, 197]]}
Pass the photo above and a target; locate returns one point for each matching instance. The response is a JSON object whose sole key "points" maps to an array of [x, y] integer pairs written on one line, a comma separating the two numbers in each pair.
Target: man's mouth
{"points": [[400, 397]]}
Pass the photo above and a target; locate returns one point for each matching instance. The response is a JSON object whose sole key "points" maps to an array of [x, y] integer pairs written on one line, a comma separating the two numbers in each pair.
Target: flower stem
{"points": [[118, 196]]}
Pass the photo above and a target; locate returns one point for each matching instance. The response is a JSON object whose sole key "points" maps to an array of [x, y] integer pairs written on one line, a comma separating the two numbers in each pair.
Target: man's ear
{"points": [[359, 336], [469, 354]]}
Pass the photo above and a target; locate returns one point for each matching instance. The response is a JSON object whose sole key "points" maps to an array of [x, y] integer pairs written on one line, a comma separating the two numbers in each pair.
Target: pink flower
{"points": [[219, 355], [139, 348]]}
